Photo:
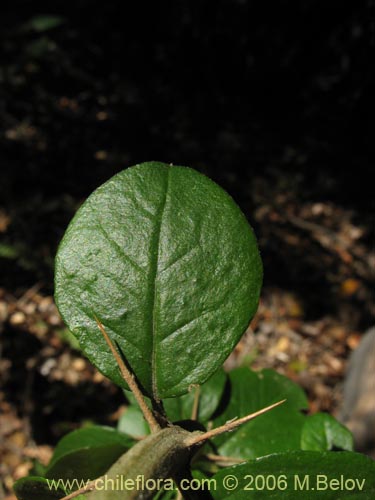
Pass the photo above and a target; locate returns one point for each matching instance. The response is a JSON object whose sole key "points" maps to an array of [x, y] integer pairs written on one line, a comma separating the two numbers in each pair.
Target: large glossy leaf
{"points": [[278, 430], [299, 475], [322, 432], [167, 261], [87, 453]]}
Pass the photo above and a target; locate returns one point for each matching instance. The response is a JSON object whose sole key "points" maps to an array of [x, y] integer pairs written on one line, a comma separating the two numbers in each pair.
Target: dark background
{"points": [[272, 100]]}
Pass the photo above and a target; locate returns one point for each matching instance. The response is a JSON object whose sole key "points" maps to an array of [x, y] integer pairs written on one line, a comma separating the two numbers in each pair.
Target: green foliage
{"points": [[43, 23], [36, 488], [133, 424], [87, 453], [8, 251], [68, 338], [251, 391], [300, 475], [323, 432], [168, 263]]}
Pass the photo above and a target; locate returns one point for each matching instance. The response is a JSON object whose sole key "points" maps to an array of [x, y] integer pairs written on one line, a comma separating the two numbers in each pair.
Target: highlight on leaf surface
{"points": [[167, 261]]}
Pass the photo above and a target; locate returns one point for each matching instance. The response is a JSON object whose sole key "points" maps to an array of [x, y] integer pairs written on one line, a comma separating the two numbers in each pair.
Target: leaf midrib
{"points": [[153, 278]]}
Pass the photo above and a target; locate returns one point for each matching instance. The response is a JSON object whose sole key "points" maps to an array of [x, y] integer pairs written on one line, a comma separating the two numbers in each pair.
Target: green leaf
{"points": [[68, 338], [210, 394], [87, 453], [167, 261], [133, 423], [275, 431], [44, 23], [299, 475], [8, 251], [38, 469], [166, 495], [37, 488], [323, 432]]}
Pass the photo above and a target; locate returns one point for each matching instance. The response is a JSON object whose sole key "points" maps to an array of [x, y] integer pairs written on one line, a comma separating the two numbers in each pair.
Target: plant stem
{"points": [[89, 487], [130, 380], [229, 426], [194, 411]]}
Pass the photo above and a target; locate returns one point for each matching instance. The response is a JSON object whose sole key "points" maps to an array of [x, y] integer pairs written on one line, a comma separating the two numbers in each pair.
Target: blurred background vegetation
{"points": [[273, 100]]}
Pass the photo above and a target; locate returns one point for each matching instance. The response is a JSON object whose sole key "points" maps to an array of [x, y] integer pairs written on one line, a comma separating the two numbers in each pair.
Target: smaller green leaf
{"points": [[299, 475], [8, 251], [278, 430], [67, 337], [37, 488], [322, 432], [44, 23], [133, 423], [38, 469], [87, 453], [210, 394]]}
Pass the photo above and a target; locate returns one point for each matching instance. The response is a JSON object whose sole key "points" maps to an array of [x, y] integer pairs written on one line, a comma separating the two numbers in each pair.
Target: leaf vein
{"points": [[186, 323], [153, 278], [120, 251], [179, 258]]}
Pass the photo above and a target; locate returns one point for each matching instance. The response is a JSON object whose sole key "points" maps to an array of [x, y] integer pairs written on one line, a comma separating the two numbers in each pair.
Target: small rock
{"points": [[17, 318], [79, 364], [3, 311], [47, 367], [22, 470], [45, 304]]}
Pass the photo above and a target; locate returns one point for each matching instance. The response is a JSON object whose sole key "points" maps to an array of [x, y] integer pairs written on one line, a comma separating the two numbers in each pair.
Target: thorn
{"points": [[229, 426], [130, 380]]}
